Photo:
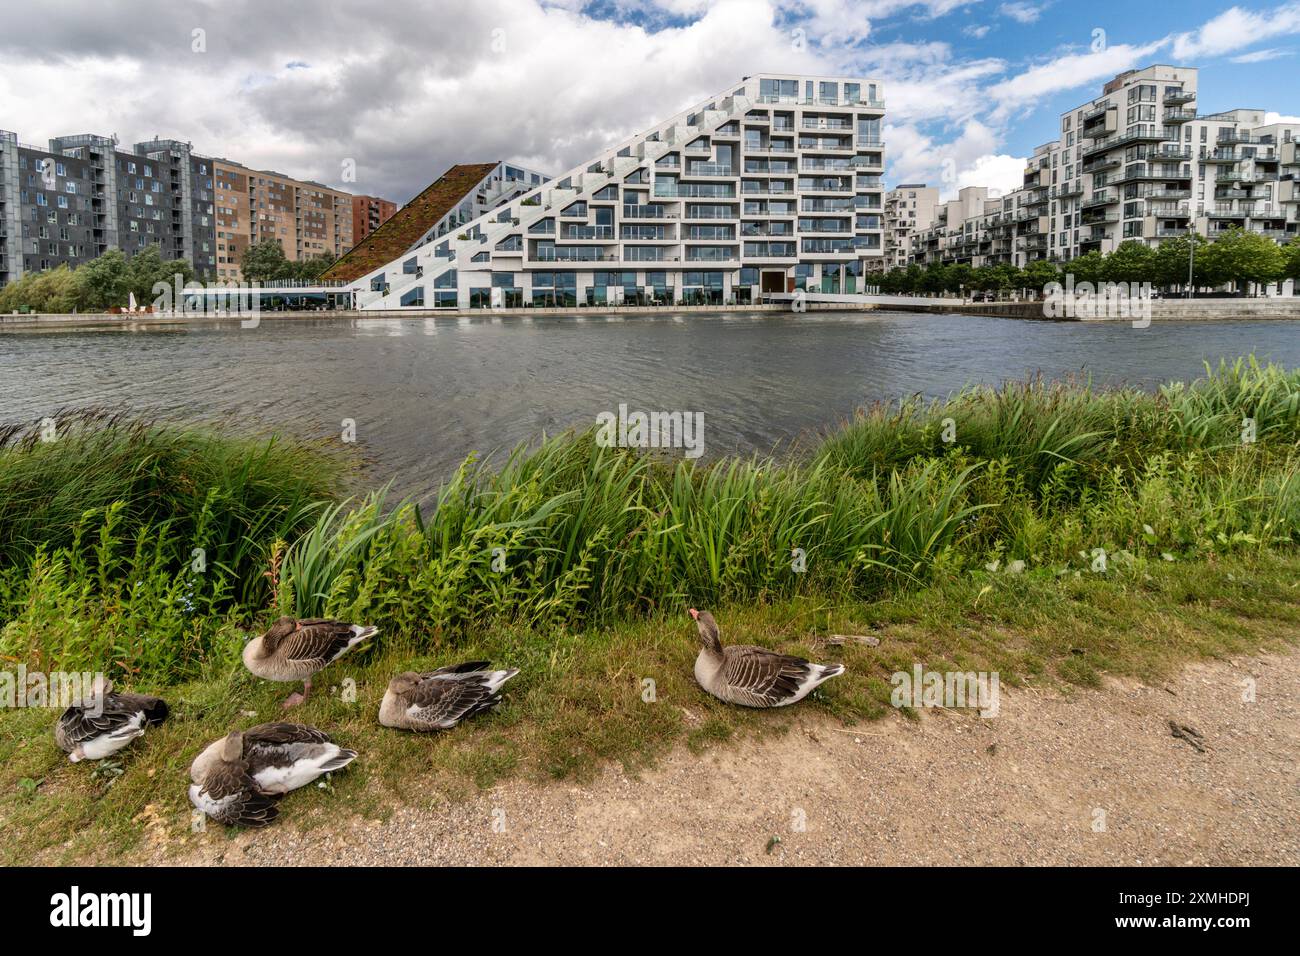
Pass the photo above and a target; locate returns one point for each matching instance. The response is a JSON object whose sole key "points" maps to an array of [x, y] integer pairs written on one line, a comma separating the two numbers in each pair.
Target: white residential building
{"points": [[1136, 162], [909, 209], [771, 186]]}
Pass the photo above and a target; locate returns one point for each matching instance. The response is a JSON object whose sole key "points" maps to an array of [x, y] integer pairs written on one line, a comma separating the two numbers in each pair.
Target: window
{"points": [[413, 297]]}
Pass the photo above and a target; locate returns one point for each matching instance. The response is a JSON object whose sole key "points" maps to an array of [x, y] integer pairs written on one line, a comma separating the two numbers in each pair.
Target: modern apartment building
{"points": [[459, 196], [81, 196], [770, 186], [306, 218], [1136, 162], [368, 214], [909, 208]]}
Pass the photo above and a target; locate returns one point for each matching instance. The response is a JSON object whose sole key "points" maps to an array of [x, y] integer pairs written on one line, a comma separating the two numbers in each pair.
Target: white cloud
{"points": [[1236, 28], [977, 30], [1021, 12], [1067, 72], [1261, 56]]}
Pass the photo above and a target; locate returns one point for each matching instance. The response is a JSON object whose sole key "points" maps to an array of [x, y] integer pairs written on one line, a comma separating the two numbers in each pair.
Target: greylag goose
{"points": [[294, 649], [753, 676], [106, 722], [238, 779], [439, 700]]}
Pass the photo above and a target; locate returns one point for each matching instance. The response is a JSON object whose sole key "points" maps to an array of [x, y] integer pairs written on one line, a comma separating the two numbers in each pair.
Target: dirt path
{"points": [[1025, 787]]}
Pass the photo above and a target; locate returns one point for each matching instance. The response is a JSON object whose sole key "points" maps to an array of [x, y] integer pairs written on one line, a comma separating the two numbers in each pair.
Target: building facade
{"points": [[81, 196], [1137, 162], [368, 214], [306, 218], [462, 194], [771, 186], [909, 208]]}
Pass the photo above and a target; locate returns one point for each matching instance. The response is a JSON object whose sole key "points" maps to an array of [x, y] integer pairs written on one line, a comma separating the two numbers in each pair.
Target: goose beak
{"points": [[694, 614]]}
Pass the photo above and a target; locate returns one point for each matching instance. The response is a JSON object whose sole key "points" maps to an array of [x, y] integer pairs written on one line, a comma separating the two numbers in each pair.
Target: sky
{"points": [[381, 97]]}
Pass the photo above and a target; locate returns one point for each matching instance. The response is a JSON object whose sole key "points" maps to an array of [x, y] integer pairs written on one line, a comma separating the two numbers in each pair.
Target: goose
{"points": [[439, 700], [753, 676], [106, 722], [239, 778], [294, 649]]}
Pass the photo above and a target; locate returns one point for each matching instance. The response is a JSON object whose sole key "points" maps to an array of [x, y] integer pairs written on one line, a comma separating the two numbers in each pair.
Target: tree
{"points": [[1088, 267], [1292, 252], [1171, 261], [958, 277], [1132, 261], [104, 283], [263, 262], [1041, 273], [1238, 257], [147, 269]]}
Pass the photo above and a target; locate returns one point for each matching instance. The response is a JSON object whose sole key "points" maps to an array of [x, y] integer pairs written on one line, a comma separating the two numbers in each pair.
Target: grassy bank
{"points": [[1047, 531]]}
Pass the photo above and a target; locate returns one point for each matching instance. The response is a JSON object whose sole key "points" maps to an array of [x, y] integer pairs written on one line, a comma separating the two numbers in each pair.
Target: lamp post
{"points": [[1191, 258]]}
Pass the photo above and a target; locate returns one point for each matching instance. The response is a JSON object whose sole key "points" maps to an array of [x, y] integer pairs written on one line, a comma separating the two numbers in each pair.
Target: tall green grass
{"points": [[1037, 476]]}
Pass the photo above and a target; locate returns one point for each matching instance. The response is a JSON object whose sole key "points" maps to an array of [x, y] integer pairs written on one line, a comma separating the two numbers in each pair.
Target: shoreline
{"points": [[1162, 310]]}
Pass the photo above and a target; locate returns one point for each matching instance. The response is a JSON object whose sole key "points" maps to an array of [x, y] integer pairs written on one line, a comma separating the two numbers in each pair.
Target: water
{"points": [[424, 393]]}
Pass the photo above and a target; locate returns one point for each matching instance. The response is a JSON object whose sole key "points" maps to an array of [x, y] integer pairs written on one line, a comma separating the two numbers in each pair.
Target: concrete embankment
{"points": [[1280, 307], [1166, 310]]}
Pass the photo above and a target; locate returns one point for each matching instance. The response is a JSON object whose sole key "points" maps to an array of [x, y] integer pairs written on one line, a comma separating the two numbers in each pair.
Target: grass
{"points": [[578, 702], [1050, 532]]}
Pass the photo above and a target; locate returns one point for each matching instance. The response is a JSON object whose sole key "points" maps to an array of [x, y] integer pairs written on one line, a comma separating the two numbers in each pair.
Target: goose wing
{"points": [[120, 712], [277, 746], [230, 796], [316, 642], [758, 677], [443, 699]]}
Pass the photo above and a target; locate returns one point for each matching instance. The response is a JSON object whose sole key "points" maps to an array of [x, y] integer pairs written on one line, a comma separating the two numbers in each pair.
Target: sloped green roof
{"points": [[409, 223]]}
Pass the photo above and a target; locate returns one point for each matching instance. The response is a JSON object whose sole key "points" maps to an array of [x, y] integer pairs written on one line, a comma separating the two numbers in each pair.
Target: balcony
{"points": [[709, 169], [1179, 116], [1103, 164], [1103, 198], [1179, 98]]}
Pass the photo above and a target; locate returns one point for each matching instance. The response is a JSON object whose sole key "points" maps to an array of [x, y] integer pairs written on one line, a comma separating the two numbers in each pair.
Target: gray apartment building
{"points": [[82, 196]]}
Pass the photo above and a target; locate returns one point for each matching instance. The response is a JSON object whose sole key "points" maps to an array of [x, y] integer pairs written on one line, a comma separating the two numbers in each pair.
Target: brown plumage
{"points": [[227, 792], [439, 700], [239, 778], [753, 676], [295, 649], [105, 722]]}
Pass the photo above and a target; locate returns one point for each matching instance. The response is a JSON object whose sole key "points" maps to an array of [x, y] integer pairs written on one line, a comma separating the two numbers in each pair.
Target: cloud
{"points": [[1261, 56], [1067, 72], [977, 30], [1236, 28], [1021, 12]]}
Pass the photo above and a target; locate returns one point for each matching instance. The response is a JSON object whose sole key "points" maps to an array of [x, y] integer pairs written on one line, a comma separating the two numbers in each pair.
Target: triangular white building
{"points": [[772, 186]]}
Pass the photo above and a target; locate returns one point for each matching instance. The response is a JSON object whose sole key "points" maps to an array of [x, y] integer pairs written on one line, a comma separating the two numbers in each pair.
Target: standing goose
{"points": [[753, 676], [106, 722], [240, 778], [439, 700], [294, 649]]}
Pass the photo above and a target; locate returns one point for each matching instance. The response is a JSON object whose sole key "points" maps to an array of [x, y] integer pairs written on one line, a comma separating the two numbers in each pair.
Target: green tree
{"points": [[263, 262], [1292, 253], [1171, 262], [104, 282], [1041, 273], [958, 278], [1089, 267], [1132, 261], [1240, 257]]}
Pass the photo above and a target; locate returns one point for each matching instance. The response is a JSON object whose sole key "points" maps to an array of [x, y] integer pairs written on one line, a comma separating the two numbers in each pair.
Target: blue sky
{"points": [[322, 88]]}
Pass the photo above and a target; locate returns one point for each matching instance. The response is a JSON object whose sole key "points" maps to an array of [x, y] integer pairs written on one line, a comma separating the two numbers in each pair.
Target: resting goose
{"points": [[753, 676], [239, 778], [439, 700], [294, 649], [106, 722]]}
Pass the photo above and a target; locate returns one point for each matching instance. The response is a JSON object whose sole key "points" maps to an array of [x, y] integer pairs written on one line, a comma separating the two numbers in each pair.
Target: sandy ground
{"points": [[1090, 777]]}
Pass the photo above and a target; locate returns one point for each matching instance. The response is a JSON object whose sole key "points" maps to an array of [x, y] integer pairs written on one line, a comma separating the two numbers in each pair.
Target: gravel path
{"points": [[1092, 777]]}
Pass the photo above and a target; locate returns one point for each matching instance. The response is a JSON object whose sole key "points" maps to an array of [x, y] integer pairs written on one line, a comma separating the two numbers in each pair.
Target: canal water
{"points": [[426, 392]]}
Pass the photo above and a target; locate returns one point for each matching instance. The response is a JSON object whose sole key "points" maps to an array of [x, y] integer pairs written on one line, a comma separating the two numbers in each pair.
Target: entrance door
{"points": [[773, 281]]}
